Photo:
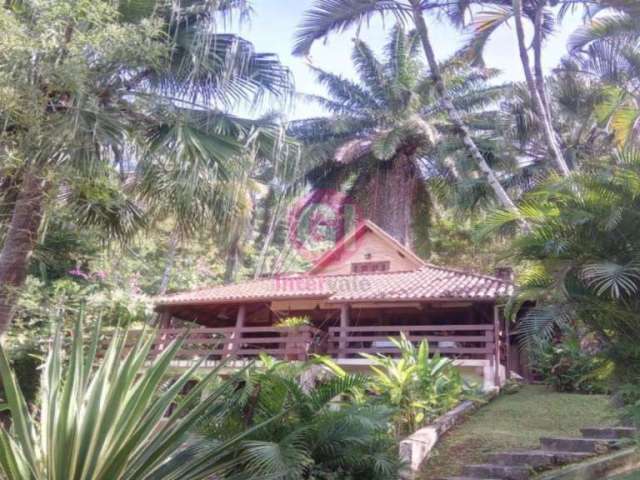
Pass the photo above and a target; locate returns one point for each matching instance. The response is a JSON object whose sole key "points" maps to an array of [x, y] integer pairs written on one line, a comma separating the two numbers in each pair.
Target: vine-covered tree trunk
{"points": [[19, 243], [389, 196]]}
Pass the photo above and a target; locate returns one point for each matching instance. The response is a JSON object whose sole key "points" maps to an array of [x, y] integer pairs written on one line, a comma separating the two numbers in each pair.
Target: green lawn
{"points": [[628, 476], [516, 421]]}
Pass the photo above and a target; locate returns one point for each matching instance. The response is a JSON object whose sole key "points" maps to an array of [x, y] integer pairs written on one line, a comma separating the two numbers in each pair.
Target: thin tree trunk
{"points": [[19, 243], [549, 134], [537, 57], [168, 266], [454, 116]]}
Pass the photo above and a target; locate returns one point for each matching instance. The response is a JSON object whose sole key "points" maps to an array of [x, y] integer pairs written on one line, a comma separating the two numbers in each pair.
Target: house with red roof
{"points": [[366, 289]]}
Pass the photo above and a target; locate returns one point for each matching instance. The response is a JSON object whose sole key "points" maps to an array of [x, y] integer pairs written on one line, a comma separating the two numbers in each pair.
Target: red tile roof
{"points": [[429, 283]]}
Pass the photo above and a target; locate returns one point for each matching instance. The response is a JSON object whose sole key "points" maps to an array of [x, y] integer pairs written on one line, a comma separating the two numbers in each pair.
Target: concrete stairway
{"points": [[554, 452]]}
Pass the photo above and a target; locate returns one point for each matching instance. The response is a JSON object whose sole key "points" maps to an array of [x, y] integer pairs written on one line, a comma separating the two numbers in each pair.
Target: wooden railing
{"points": [[245, 342], [458, 341]]}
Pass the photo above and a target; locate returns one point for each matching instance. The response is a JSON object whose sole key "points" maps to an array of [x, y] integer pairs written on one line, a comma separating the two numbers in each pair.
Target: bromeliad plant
{"points": [[418, 385], [106, 420]]}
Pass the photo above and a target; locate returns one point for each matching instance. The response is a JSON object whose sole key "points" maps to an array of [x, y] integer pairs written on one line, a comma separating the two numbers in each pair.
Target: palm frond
{"points": [[328, 16]]}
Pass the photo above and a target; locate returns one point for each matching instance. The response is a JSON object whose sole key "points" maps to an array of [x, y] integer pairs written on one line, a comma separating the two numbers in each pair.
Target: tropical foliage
{"points": [[570, 364], [107, 419], [319, 430], [418, 385], [124, 92], [582, 256], [127, 171], [379, 144]]}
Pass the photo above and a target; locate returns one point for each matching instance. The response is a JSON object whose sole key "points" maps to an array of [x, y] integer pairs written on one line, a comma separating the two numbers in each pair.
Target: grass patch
{"points": [[516, 421], [628, 476]]}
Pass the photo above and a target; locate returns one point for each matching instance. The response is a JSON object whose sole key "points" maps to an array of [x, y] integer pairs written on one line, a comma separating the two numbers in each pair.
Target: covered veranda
{"points": [[470, 332]]}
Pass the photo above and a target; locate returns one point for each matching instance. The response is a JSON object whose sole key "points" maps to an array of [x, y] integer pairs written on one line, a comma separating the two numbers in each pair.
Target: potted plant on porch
{"points": [[294, 326]]}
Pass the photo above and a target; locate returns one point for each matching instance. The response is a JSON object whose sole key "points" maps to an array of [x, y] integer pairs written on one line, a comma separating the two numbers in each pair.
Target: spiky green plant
{"points": [[105, 418]]}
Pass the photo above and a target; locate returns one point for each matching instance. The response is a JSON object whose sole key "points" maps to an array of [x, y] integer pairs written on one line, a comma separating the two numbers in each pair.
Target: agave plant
{"points": [[107, 419]]}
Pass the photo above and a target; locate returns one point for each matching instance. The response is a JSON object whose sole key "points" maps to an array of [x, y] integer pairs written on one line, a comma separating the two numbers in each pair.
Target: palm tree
{"points": [[192, 198], [608, 50], [486, 22], [336, 15], [576, 98], [115, 83], [583, 256], [380, 140]]}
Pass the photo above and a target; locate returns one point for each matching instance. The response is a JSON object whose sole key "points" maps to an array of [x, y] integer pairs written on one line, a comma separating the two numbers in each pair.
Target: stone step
{"points": [[583, 445], [505, 472], [469, 478], [610, 433], [537, 459]]}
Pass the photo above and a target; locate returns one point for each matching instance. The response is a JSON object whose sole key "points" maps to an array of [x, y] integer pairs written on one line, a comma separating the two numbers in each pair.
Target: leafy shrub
{"points": [[418, 386], [567, 367], [628, 398], [315, 429], [25, 358]]}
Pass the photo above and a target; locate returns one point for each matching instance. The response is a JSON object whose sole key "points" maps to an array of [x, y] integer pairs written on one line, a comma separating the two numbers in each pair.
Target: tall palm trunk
{"points": [[537, 57], [389, 197], [537, 96], [19, 243], [452, 111]]}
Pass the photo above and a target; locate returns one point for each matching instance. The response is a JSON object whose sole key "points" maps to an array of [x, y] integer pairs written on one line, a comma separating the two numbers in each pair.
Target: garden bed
{"points": [[515, 421]]}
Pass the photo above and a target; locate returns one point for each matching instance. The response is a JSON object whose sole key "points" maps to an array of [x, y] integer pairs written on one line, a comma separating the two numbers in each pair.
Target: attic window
{"points": [[369, 267]]}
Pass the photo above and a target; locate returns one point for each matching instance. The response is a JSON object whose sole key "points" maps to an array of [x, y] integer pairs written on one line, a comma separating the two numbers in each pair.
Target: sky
{"points": [[273, 24]]}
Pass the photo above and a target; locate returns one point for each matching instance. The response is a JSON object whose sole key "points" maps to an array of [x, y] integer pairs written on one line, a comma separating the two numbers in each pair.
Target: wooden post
{"points": [[507, 346], [236, 337], [164, 319], [163, 322], [496, 335], [344, 323]]}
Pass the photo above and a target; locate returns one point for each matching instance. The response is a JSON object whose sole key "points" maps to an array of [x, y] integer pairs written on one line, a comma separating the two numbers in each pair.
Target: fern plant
{"points": [[322, 431]]}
